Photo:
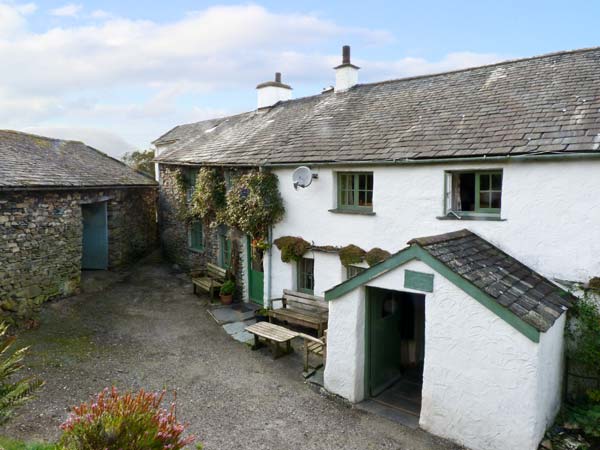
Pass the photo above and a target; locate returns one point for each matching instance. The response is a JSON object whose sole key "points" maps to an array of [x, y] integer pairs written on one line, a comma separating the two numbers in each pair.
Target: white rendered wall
{"points": [[550, 223], [482, 379], [269, 95]]}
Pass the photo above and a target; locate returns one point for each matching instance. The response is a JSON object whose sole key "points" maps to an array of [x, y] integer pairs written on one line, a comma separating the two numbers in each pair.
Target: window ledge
{"points": [[351, 211], [484, 218], [196, 250]]}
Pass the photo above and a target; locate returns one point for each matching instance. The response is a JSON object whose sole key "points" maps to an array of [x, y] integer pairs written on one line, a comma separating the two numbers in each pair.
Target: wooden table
{"points": [[274, 335]]}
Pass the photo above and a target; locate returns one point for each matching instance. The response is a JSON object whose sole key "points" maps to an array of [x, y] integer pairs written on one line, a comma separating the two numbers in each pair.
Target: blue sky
{"points": [[118, 74]]}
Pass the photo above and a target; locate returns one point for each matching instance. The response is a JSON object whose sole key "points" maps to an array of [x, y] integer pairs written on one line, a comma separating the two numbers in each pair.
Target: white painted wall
{"points": [[550, 223], [483, 381]]}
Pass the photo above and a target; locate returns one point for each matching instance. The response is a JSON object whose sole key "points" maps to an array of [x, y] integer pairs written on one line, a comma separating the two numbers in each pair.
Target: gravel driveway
{"points": [[147, 330]]}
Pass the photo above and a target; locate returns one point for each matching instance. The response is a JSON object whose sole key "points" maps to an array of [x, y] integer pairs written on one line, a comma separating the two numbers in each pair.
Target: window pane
{"points": [[497, 181], [362, 182], [349, 198], [484, 200], [306, 282], [369, 198], [496, 199], [466, 188], [352, 271], [484, 182], [362, 198], [370, 182]]}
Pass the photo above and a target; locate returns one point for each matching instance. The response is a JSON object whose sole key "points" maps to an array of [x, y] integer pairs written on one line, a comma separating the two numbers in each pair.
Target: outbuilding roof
{"points": [[28, 161], [491, 276], [541, 105]]}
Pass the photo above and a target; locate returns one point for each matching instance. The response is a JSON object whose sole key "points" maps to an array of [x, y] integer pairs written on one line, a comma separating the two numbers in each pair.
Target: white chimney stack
{"points": [[346, 74], [272, 92]]}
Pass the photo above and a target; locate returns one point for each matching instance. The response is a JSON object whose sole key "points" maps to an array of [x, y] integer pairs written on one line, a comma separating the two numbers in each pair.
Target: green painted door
{"points": [[256, 276], [384, 336], [95, 236], [225, 249]]}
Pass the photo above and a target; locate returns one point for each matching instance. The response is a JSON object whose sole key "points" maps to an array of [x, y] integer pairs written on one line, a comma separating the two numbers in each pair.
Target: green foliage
{"points": [[254, 204], [351, 254], [376, 255], [181, 182], [595, 283], [586, 418], [123, 422], [141, 161], [583, 337], [227, 288], [208, 201], [13, 393], [12, 444], [292, 248]]}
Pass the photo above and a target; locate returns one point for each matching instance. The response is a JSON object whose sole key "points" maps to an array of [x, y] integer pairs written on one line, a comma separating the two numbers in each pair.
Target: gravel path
{"points": [[148, 330]]}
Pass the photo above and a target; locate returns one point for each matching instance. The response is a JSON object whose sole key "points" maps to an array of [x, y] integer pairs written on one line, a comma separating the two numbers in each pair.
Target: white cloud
{"points": [[138, 77], [68, 10]]}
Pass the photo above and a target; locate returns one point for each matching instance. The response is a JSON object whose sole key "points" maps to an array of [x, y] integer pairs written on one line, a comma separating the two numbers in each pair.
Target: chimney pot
{"points": [[278, 77], [346, 74], [346, 54]]}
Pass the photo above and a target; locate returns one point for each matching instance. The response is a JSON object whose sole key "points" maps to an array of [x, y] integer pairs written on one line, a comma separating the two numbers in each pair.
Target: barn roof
{"points": [[33, 162], [523, 297], [548, 104]]}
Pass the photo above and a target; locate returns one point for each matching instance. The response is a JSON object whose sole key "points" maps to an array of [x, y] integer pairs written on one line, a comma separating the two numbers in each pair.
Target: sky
{"points": [[118, 74]]}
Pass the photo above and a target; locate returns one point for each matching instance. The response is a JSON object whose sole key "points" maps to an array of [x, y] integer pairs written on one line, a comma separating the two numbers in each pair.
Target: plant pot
{"points": [[261, 318], [226, 299]]}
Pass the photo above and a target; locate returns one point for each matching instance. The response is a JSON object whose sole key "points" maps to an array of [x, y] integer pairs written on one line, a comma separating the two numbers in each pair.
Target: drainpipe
{"points": [[270, 266]]}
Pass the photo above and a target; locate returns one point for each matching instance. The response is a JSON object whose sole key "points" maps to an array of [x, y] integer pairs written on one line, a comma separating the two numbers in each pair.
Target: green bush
{"points": [[13, 393], [123, 422], [11, 444], [291, 248], [586, 418], [351, 254], [376, 255]]}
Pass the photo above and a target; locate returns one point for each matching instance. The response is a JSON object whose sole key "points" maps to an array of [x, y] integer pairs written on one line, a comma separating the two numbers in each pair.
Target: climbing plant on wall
{"points": [[291, 248], [208, 201], [254, 204], [351, 254], [376, 255]]}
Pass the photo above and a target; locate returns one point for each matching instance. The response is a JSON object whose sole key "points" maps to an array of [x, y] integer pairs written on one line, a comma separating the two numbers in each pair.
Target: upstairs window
{"points": [[196, 236], [306, 275], [355, 191], [474, 193], [191, 176]]}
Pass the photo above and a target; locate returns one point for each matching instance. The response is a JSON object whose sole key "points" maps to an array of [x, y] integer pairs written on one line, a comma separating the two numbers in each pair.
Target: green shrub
{"points": [[11, 444], [351, 254], [583, 337], [291, 248], [227, 288], [586, 418], [376, 255], [13, 393], [208, 201], [123, 422]]}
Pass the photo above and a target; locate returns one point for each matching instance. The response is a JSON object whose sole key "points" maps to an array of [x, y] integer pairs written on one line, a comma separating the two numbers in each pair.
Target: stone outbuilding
{"points": [[64, 207]]}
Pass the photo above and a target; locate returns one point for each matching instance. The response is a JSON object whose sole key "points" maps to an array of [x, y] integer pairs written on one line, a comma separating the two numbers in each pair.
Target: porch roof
{"points": [[525, 299]]}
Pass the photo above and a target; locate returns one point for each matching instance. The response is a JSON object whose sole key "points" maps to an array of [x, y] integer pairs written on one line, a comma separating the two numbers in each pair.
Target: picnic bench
{"points": [[302, 309], [210, 279], [274, 335]]}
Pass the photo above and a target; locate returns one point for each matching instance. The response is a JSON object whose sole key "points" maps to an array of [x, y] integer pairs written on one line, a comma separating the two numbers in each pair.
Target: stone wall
{"points": [[41, 242], [174, 232]]}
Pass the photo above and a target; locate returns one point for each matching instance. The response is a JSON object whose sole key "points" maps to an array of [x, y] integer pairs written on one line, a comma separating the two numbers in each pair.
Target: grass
{"points": [[11, 444]]}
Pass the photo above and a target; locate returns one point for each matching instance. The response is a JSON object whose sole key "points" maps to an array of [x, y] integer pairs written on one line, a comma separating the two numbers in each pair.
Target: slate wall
{"points": [[175, 238], [41, 242]]}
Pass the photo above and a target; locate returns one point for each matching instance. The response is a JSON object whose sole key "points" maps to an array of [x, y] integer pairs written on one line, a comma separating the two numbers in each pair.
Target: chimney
{"points": [[346, 74], [272, 92]]}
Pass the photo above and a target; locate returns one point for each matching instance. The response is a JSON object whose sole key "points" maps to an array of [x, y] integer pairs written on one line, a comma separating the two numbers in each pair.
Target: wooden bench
{"points": [[302, 309], [274, 335], [210, 279], [315, 346]]}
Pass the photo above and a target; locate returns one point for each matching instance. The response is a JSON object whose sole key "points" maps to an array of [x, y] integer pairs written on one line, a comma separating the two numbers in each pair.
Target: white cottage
{"points": [[498, 165]]}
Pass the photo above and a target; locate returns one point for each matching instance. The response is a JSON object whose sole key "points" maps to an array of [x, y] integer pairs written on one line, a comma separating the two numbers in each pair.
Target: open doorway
{"points": [[395, 348]]}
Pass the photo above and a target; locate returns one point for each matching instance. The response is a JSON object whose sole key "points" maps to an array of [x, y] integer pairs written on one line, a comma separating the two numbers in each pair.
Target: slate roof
{"points": [[512, 284], [30, 161], [545, 104]]}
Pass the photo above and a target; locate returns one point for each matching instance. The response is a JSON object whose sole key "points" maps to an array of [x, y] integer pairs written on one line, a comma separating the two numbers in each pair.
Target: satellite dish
{"points": [[302, 177]]}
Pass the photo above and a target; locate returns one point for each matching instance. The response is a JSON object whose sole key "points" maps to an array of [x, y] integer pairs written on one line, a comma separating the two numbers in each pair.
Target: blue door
{"points": [[95, 236]]}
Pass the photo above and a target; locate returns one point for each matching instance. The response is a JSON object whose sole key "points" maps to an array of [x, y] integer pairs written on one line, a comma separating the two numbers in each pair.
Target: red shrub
{"points": [[128, 422]]}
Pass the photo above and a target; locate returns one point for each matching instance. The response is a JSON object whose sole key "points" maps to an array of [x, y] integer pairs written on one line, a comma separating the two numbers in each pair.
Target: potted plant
{"points": [[226, 292], [262, 315]]}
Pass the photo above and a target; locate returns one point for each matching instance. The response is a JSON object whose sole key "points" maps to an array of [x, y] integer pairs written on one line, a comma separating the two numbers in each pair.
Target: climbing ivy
{"points": [[254, 204], [208, 201]]}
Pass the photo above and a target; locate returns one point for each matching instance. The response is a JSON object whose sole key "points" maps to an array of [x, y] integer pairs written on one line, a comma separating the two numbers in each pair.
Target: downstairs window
{"points": [[306, 275]]}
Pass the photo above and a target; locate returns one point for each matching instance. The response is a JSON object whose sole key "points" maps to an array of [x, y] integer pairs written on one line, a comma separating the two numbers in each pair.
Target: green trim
{"points": [[367, 340], [418, 281], [360, 212], [344, 179], [416, 252]]}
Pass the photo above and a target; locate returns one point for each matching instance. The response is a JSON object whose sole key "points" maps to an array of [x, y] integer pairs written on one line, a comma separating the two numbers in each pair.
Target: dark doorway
{"points": [[95, 236], [395, 348]]}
